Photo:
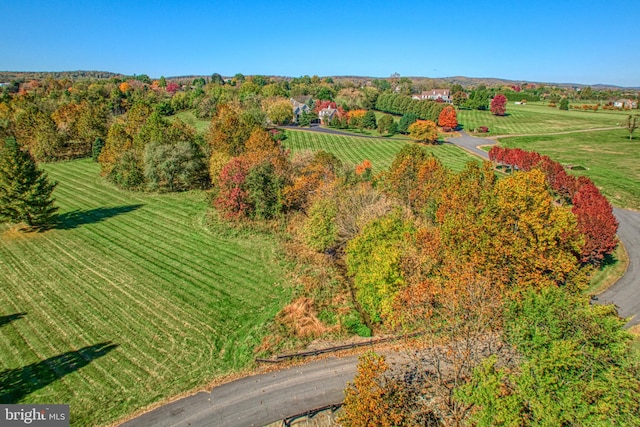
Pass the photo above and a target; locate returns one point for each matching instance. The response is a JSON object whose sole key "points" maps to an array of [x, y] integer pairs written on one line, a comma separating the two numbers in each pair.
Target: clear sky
{"points": [[560, 41]]}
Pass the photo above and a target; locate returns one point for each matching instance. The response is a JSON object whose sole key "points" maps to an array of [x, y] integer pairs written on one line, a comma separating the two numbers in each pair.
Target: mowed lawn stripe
{"points": [[165, 241], [381, 152], [153, 222], [182, 304], [75, 322]]}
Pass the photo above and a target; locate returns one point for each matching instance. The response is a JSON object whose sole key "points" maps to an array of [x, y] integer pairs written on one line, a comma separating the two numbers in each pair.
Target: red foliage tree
{"points": [[499, 105], [448, 117], [233, 198], [595, 221], [172, 87], [321, 105]]}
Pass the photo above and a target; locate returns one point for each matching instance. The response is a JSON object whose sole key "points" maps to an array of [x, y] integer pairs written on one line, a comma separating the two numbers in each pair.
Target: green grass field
{"points": [[129, 300], [539, 119], [611, 159], [381, 152], [201, 125]]}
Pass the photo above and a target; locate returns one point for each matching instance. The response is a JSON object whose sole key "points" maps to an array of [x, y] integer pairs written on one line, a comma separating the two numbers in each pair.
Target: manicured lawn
{"points": [[201, 125], [381, 152], [130, 300], [539, 119], [610, 158]]}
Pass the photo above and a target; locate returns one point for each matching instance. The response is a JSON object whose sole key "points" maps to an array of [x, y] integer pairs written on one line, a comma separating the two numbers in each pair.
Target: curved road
{"points": [[625, 293], [261, 399]]}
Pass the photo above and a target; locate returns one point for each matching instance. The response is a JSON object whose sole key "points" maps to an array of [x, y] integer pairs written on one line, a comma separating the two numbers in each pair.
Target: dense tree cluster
{"points": [[492, 272], [403, 104], [592, 210]]}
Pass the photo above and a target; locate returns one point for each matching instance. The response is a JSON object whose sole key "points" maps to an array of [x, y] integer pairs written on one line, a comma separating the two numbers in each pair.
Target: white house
{"points": [[326, 115], [434, 95], [625, 103]]}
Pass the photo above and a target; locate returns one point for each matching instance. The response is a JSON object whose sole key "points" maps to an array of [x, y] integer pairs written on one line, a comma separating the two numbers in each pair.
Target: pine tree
{"points": [[25, 190]]}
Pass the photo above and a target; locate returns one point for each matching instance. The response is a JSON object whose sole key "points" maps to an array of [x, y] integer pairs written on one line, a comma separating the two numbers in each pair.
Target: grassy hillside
{"points": [[610, 158], [381, 152], [539, 119], [128, 301]]}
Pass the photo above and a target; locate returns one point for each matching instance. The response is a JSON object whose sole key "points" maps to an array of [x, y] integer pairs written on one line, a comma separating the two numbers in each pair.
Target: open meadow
{"points": [[536, 118], [609, 158], [128, 300], [380, 151]]}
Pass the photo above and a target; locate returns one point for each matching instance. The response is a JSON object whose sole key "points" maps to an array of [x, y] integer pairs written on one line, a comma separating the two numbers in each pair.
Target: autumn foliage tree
{"points": [[233, 198], [373, 399], [593, 211], [448, 118], [596, 222], [499, 105], [424, 131]]}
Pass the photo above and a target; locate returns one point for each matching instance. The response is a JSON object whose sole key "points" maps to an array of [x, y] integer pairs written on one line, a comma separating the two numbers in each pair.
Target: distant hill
{"points": [[6, 76]]}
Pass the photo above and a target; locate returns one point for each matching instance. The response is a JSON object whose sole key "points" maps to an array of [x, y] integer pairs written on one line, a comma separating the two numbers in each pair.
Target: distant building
{"points": [[298, 109], [327, 114], [434, 95], [625, 103]]}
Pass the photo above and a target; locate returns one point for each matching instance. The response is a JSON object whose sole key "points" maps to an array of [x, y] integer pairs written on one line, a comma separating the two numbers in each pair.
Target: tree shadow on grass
{"points": [[15, 384], [5, 320], [74, 219]]}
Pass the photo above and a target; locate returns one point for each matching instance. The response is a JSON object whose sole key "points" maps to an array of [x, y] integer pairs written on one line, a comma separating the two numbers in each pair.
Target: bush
{"points": [[354, 325]]}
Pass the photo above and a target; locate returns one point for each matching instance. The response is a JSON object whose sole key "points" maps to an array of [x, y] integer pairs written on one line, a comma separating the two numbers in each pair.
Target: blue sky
{"points": [[561, 41]]}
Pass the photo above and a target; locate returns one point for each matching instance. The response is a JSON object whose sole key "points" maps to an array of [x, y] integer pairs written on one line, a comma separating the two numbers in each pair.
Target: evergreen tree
{"points": [[96, 148], [25, 190]]}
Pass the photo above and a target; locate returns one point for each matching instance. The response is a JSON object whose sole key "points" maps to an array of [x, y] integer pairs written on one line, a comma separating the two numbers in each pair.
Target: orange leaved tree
{"points": [[448, 117], [373, 399]]}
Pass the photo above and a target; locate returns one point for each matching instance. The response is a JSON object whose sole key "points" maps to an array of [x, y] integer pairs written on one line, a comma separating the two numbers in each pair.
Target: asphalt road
{"points": [[625, 293], [259, 399]]}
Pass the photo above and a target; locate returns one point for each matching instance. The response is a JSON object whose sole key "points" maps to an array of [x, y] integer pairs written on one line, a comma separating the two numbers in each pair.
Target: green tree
{"points": [[96, 148], [564, 104], [306, 117], [369, 120], [217, 79], [575, 367], [374, 261], [264, 188], [406, 121], [280, 112], [320, 231], [386, 124], [25, 190], [174, 167], [631, 124]]}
